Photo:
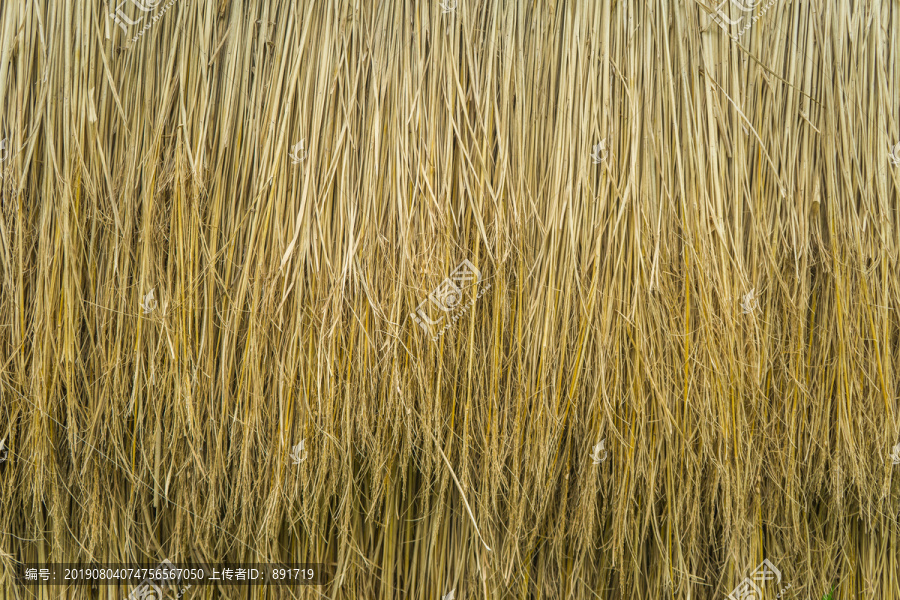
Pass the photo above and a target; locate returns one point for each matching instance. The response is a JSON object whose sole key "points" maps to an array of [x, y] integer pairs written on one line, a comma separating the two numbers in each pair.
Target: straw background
{"points": [[614, 310]]}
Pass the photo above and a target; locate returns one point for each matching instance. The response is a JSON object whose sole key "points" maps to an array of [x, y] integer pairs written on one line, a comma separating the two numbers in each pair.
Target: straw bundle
{"points": [[680, 345]]}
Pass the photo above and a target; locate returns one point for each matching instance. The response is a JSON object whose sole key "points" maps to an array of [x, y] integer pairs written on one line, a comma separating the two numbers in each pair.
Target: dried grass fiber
{"points": [[736, 428]]}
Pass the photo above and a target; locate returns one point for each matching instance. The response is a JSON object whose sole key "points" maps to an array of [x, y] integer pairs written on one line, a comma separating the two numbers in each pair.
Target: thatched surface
{"points": [[736, 428]]}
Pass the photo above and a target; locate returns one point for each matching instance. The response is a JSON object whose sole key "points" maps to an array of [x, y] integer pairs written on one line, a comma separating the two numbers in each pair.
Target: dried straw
{"points": [[735, 427]]}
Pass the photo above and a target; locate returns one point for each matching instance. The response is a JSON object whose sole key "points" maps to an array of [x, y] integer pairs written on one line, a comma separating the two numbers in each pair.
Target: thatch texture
{"points": [[688, 245]]}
